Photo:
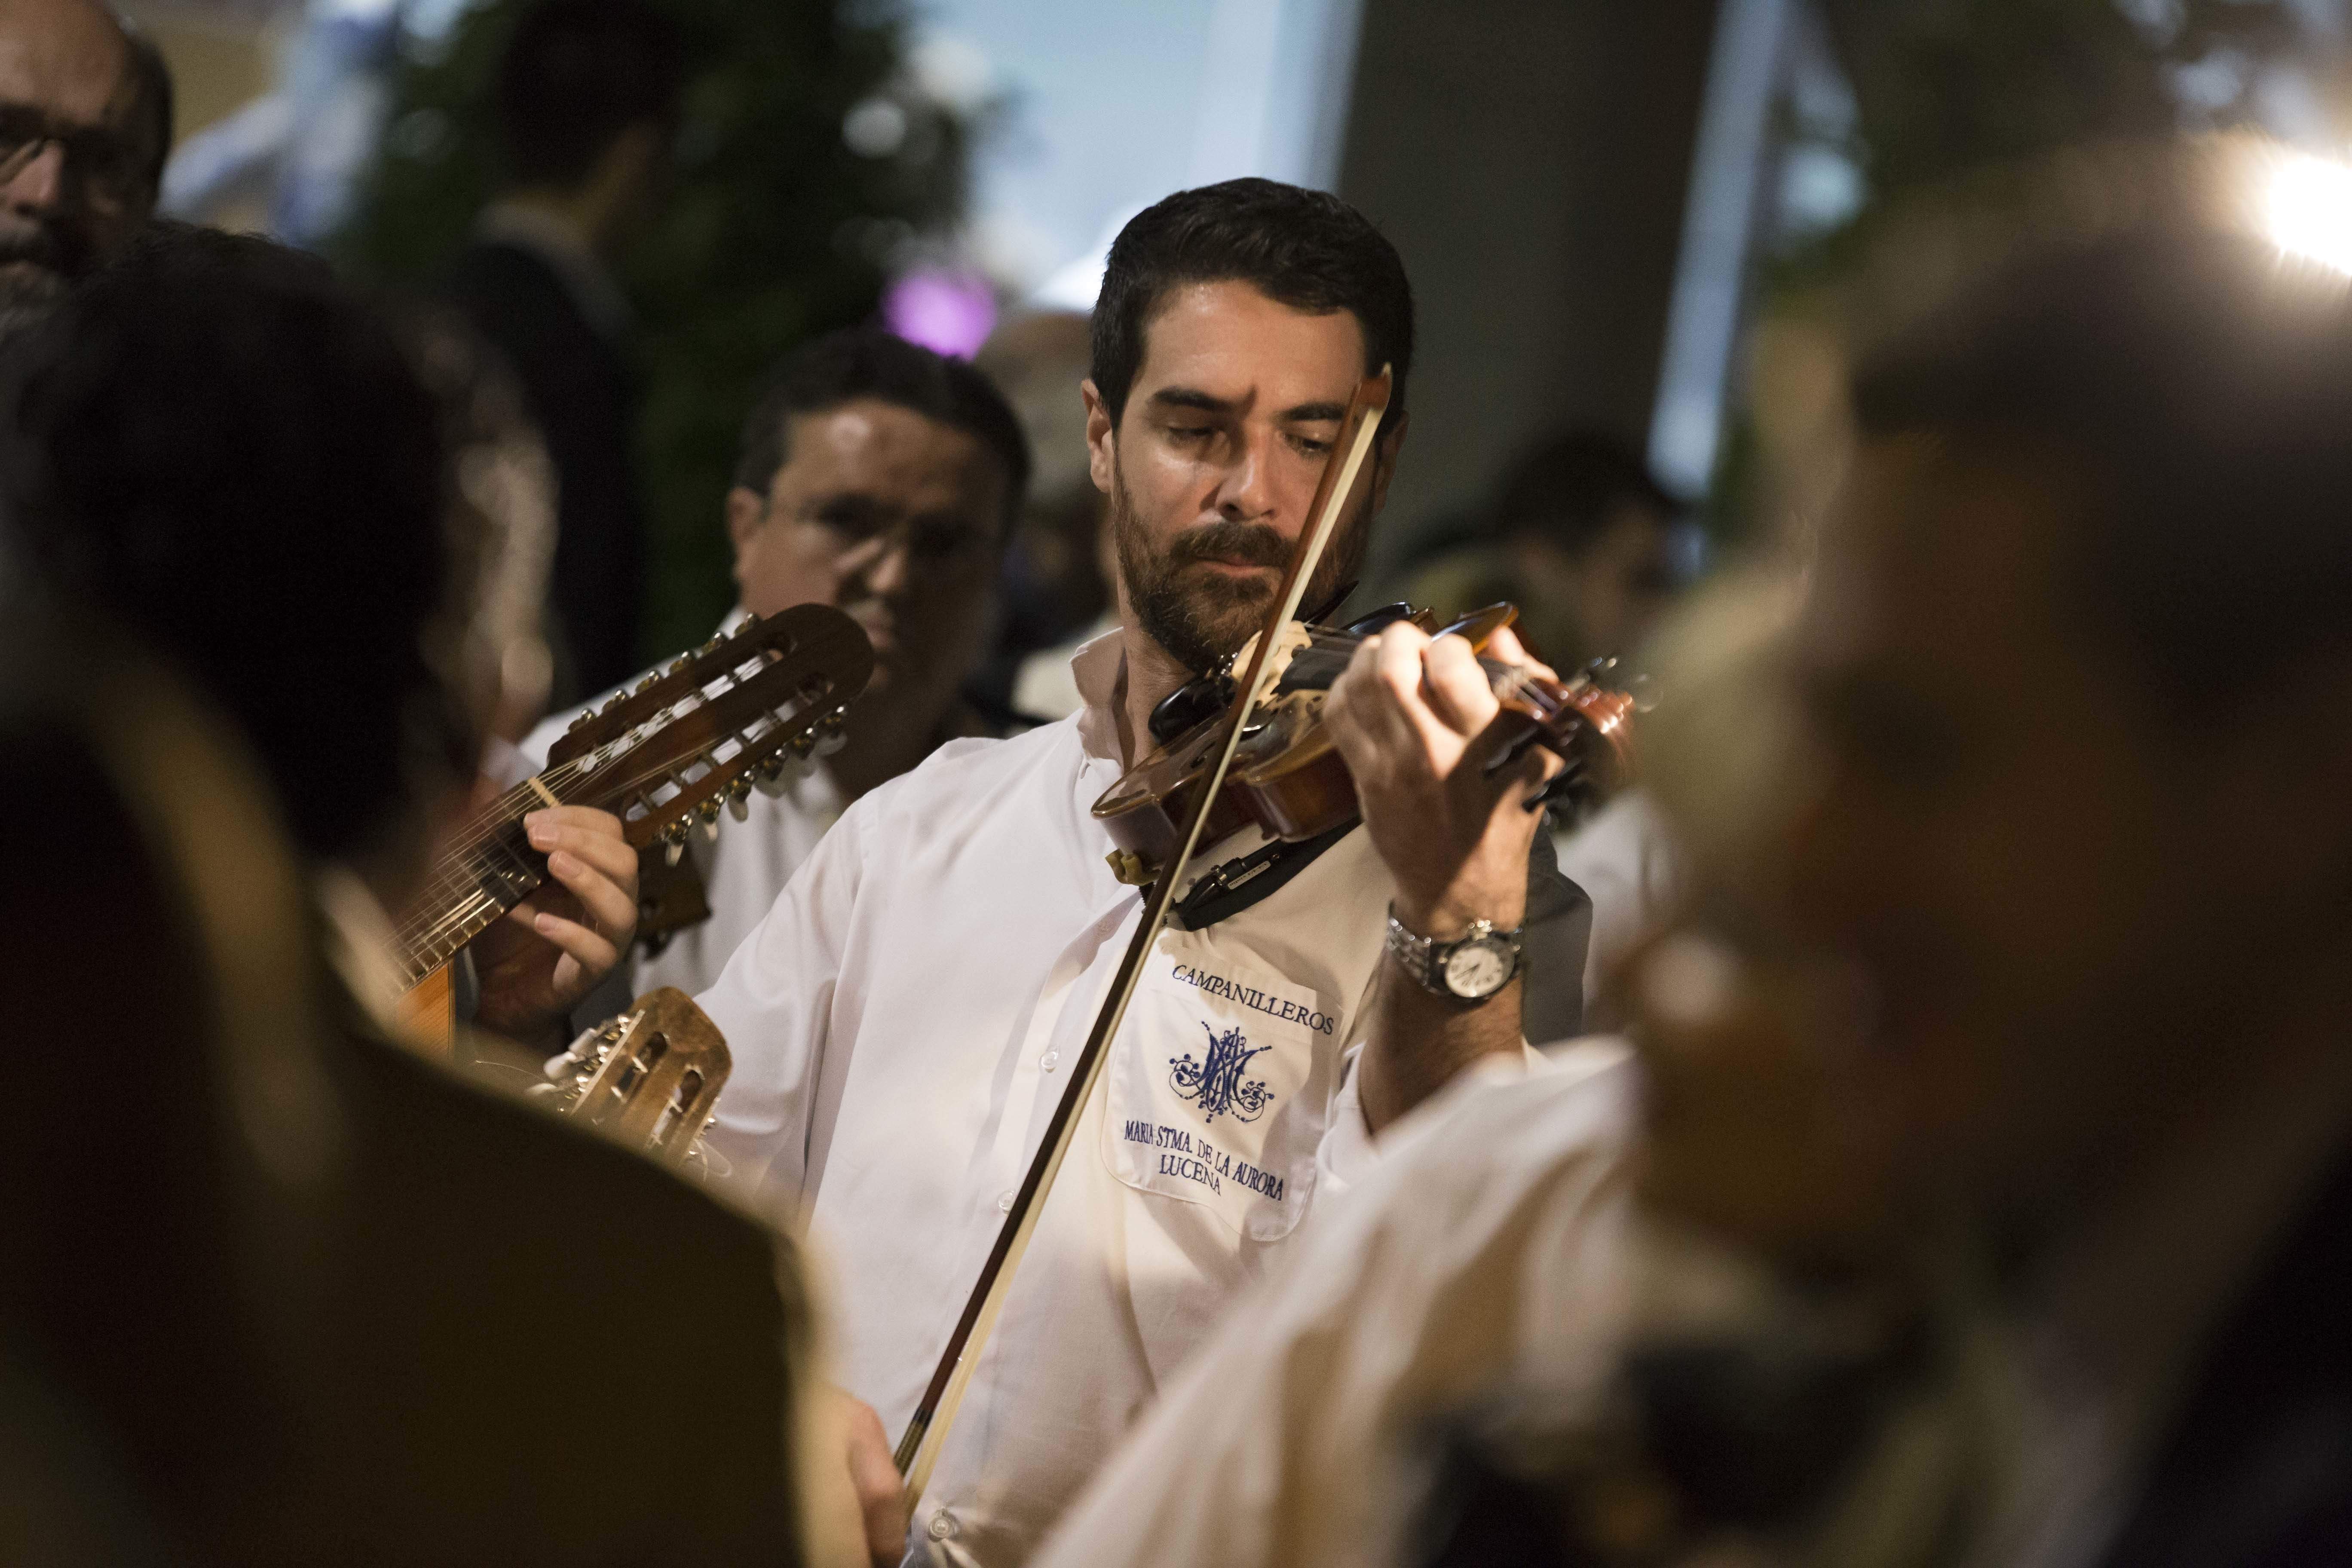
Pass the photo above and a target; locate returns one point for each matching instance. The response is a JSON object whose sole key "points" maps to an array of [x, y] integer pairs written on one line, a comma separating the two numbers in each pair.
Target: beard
{"points": [[40, 263], [1198, 614]]}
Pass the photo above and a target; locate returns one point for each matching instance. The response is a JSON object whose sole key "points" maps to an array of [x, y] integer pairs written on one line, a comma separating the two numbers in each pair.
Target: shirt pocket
{"points": [[1221, 1086]]}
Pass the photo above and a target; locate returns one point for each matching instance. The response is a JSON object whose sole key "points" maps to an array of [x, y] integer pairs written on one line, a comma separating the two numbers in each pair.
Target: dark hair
{"points": [[576, 74], [2204, 381], [1306, 249], [867, 362], [220, 448], [1566, 486], [148, 106]]}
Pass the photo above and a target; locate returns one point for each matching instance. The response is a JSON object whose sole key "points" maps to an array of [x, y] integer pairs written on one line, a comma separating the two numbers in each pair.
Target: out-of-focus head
{"points": [[1039, 360], [1235, 323], [218, 447], [2078, 660], [500, 525], [1587, 529], [883, 479], [85, 124], [588, 91]]}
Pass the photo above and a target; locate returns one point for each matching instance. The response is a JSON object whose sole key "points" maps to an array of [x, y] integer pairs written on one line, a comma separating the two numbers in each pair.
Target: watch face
{"points": [[1478, 969]]}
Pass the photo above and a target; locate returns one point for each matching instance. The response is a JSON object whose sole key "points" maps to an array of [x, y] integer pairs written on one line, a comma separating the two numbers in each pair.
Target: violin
{"points": [[1288, 778]]}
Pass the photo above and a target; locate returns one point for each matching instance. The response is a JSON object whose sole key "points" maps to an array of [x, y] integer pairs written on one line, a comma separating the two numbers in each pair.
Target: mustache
{"points": [[46, 245], [1229, 539]]}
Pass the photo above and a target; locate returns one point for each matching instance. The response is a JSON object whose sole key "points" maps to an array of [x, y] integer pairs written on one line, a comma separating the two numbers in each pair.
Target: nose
{"points": [[1246, 492], [877, 569], [892, 568], [40, 184]]}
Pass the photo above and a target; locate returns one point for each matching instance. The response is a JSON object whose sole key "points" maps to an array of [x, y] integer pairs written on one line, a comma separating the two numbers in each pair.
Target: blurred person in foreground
{"points": [[1580, 536], [233, 463], [587, 98], [2074, 684], [85, 126], [881, 479]]}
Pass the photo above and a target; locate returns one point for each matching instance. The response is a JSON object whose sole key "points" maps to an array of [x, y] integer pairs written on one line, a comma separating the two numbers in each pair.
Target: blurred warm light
{"points": [[2306, 208]]}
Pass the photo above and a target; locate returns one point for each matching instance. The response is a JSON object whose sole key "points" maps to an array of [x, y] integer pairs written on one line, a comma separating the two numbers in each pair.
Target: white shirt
{"points": [[1626, 864], [1485, 1256], [743, 868], [905, 1021]]}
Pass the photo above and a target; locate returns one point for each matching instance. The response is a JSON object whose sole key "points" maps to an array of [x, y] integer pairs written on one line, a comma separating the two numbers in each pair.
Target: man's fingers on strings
{"points": [[1403, 665], [593, 836], [610, 905], [1366, 710], [1456, 686], [593, 951], [1505, 647]]}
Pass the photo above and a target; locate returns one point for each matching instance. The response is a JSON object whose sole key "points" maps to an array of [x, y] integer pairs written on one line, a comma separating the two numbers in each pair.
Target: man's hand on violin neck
{"points": [[1418, 722]]}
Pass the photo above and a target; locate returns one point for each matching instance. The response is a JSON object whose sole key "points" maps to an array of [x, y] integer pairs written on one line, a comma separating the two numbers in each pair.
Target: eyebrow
{"points": [[1189, 397], [1209, 403]]}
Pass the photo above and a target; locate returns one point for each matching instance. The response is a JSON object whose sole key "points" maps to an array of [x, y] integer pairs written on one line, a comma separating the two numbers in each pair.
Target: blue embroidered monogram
{"points": [[1221, 1090], [1217, 1083]]}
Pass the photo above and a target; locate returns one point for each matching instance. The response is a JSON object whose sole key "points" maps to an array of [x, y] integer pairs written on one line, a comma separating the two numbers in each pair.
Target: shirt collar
{"points": [[1100, 667]]}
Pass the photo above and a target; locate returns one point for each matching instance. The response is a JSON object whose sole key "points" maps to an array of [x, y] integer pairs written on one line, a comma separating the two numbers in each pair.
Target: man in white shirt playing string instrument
{"points": [[881, 479], [905, 1019]]}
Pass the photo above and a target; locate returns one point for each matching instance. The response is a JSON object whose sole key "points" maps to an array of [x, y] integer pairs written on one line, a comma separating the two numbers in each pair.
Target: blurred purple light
{"points": [[947, 312]]}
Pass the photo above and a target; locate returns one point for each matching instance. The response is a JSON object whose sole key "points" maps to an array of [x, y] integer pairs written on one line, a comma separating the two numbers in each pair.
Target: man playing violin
{"points": [[905, 1019]]}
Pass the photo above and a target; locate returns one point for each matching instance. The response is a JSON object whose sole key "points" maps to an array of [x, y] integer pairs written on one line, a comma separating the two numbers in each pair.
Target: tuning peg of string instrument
{"points": [[580, 720], [831, 734], [647, 683], [671, 850]]}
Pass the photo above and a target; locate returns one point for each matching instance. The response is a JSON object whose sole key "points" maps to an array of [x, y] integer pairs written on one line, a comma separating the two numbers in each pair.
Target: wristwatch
{"points": [[1470, 968]]}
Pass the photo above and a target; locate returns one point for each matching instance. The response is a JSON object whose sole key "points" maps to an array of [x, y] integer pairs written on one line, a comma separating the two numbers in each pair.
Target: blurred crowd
{"points": [[1933, 1145]]}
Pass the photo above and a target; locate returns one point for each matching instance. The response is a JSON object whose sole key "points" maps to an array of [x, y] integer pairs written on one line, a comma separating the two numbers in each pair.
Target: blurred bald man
{"points": [[85, 125]]}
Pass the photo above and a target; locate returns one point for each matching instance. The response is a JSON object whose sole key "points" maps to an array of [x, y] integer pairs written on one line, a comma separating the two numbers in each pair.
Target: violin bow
{"points": [[918, 1449]]}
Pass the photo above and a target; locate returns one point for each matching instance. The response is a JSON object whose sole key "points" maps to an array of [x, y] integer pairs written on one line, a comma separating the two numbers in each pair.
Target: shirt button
{"points": [[1004, 1203], [943, 1525], [1051, 1060]]}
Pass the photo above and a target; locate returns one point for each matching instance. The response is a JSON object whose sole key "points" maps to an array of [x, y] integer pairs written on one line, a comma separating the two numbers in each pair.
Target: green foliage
{"points": [[1948, 90], [773, 230], [1947, 87]]}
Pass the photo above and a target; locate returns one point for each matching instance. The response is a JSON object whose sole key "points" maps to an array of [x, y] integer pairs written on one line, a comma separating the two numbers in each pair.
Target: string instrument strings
{"points": [[918, 1449], [660, 755]]}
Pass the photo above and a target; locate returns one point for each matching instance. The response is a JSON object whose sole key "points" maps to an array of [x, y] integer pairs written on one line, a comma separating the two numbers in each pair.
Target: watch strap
{"points": [[1425, 958]]}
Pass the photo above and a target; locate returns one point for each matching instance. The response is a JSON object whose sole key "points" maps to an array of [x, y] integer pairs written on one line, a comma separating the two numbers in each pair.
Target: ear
{"points": [[1102, 449], [1384, 460], [747, 510]]}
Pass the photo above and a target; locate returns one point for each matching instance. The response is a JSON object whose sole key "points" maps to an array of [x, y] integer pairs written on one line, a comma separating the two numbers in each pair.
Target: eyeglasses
{"points": [[107, 163], [935, 546]]}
